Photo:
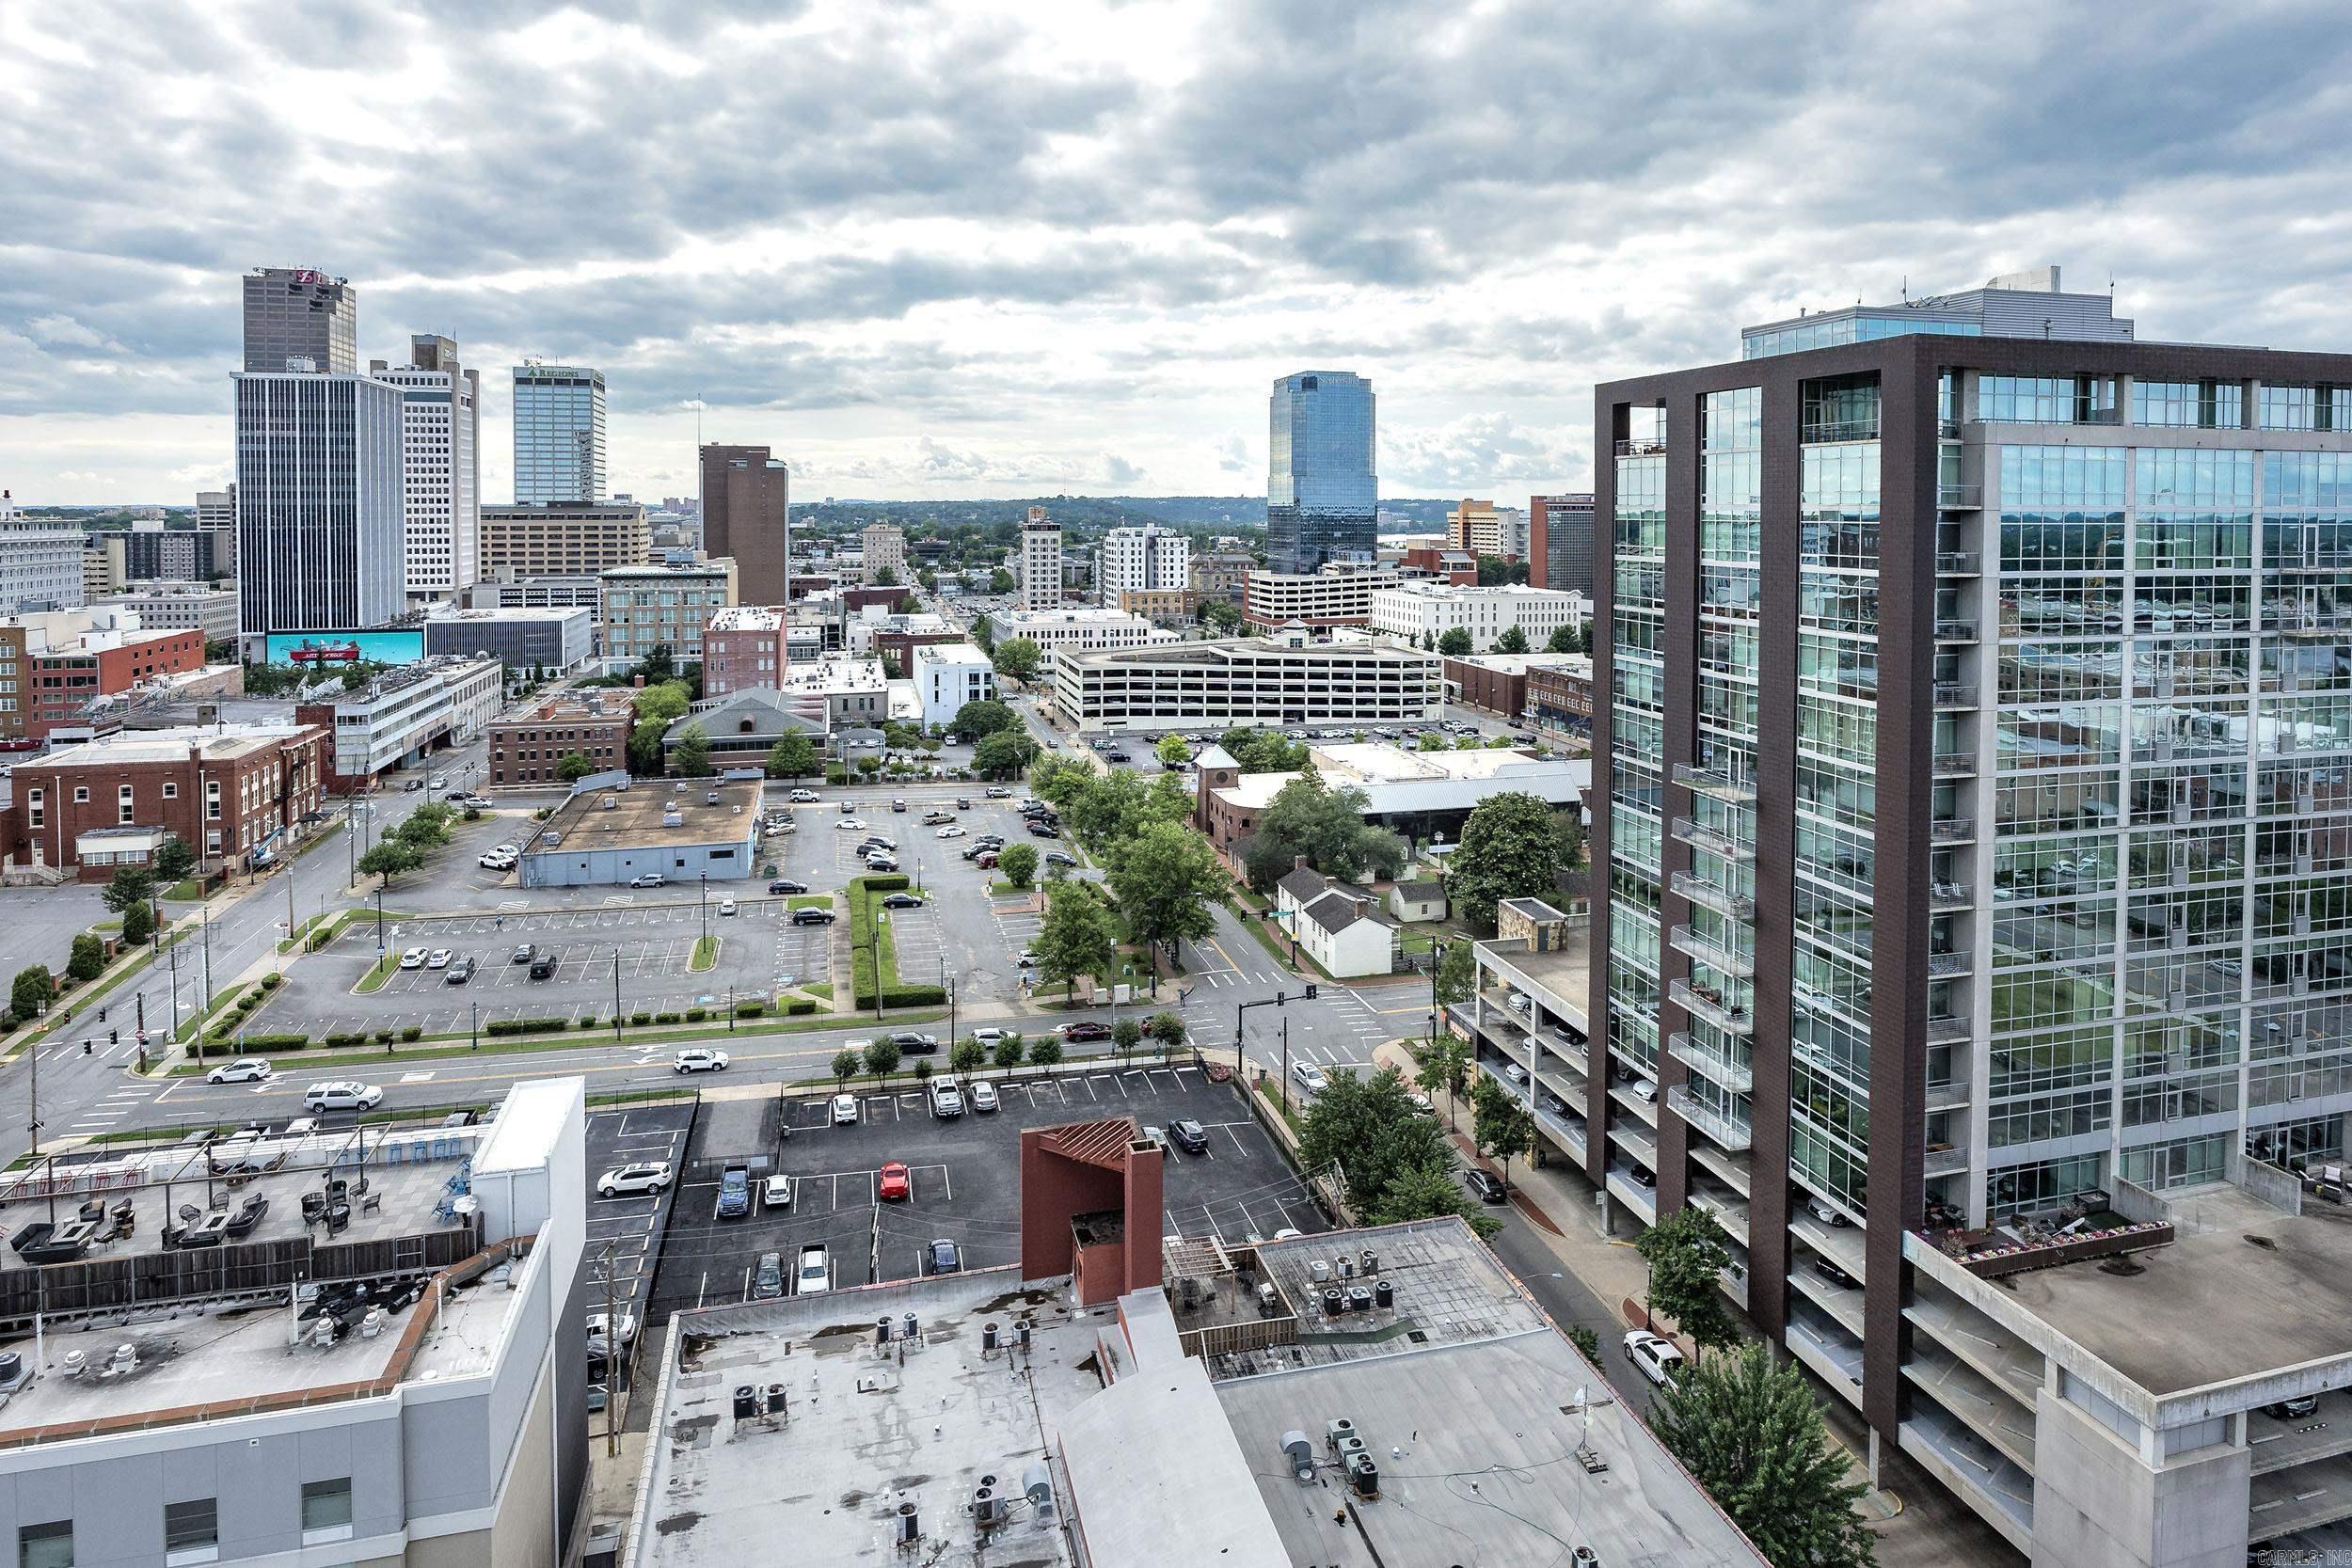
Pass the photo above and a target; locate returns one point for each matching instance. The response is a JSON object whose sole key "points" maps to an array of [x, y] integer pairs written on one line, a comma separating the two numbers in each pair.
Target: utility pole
{"points": [[611, 1355], [705, 906], [32, 1125], [1286, 1065], [173, 953], [1436, 962], [476, 1006], [616, 994]]}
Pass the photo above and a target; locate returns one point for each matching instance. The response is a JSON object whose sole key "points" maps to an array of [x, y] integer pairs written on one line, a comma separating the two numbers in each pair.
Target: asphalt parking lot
{"points": [[630, 1228], [964, 1174]]}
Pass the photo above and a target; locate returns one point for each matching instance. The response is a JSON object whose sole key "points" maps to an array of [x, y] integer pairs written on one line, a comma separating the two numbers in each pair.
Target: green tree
{"points": [[88, 959], [659, 665], [129, 885], [1455, 643], [1445, 1064], [846, 1062], [174, 860], [1747, 1429], [389, 858], [881, 1058], [138, 924], [658, 707], [693, 752], [1076, 936], [1004, 755], [1372, 1130], [984, 716], [869, 765], [1168, 883], [572, 767], [32, 991], [1221, 617], [1432, 741], [1001, 581], [1006, 1056], [1126, 1036], [1044, 1050], [1585, 636], [1563, 641], [1425, 1192], [1587, 1343], [1169, 1029], [1017, 864], [892, 669], [1173, 751], [1567, 839], [1513, 641], [1457, 972], [886, 576], [1507, 851], [923, 1072], [793, 757], [983, 633], [1500, 1124], [967, 1055], [1687, 1256], [425, 829], [1328, 826], [1017, 659]]}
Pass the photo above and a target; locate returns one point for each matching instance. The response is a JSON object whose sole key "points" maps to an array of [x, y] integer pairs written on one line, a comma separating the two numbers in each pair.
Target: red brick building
{"points": [[743, 647], [1446, 565], [236, 797], [47, 681], [525, 750]]}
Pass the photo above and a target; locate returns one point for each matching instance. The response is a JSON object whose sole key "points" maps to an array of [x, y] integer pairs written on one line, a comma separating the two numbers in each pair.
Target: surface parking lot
{"points": [[630, 1228], [964, 1175]]}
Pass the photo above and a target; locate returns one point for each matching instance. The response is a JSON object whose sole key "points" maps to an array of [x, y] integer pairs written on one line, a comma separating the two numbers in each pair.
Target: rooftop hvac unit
{"points": [[1300, 1454], [1038, 1486], [672, 820], [610, 802]]}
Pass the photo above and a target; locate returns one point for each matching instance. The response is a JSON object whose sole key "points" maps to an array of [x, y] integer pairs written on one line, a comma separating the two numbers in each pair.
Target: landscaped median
{"points": [[873, 954]]}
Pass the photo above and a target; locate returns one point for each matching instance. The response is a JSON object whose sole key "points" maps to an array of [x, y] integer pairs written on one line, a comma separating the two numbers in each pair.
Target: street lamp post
{"points": [[705, 906], [1436, 962], [476, 1030]]}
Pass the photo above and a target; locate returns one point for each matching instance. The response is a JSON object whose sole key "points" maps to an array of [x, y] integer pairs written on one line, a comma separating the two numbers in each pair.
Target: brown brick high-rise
{"points": [[745, 495]]}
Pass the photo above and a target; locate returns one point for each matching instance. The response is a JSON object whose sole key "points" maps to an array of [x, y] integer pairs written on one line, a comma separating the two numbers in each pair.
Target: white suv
{"points": [[646, 1175], [1654, 1356], [342, 1095]]}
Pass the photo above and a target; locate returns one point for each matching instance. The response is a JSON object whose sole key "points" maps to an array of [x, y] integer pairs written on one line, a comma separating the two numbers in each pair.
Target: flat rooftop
{"points": [[136, 746], [2244, 1291], [635, 819], [1565, 972]]}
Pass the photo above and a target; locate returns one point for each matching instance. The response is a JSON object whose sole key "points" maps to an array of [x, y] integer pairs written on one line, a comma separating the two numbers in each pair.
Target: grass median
{"points": [[706, 956]]}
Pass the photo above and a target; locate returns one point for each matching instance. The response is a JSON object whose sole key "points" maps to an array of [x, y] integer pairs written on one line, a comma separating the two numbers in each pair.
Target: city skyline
{"points": [[1060, 258]]}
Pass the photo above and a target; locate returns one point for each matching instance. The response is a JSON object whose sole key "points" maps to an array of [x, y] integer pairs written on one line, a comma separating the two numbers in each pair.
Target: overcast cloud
{"points": [[965, 249]]}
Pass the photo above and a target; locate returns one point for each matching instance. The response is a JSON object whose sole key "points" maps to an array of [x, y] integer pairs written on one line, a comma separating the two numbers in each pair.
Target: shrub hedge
{"points": [[524, 1025]]}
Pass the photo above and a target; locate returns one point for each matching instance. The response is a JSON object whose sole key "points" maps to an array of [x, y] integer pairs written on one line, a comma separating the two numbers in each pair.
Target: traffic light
{"points": [[114, 1037], [1311, 991]]}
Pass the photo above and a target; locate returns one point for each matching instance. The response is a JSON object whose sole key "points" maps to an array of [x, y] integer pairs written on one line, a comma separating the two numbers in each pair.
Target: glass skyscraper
{"points": [[559, 434], [1320, 490]]}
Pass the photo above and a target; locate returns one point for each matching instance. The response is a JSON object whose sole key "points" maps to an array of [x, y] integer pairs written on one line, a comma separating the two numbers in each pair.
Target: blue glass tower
{"points": [[1320, 490]]}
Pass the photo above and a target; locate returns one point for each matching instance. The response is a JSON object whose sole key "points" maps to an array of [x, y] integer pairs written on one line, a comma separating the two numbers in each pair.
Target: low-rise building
{"points": [[614, 830], [60, 670], [743, 727], [165, 606], [556, 592], [1499, 683], [1418, 795], [1424, 612], [836, 691], [41, 560], [1560, 700], [404, 714], [563, 539], [1286, 680], [1221, 573], [1173, 607], [663, 607], [1340, 594], [743, 648], [396, 1383], [544, 640], [525, 750], [236, 797], [1343, 927], [947, 675], [1077, 629]]}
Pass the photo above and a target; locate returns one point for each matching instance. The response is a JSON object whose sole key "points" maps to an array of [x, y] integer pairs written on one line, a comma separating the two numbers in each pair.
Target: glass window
{"points": [[325, 1510], [46, 1546], [191, 1531]]}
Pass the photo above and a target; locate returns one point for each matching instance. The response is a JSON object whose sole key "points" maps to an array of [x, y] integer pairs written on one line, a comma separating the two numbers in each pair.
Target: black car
{"points": [[943, 1257], [1055, 857], [2294, 1409], [812, 916], [901, 901], [542, 966], [1045, 829], [785, 885], [1643, 1176], [1832, 1273], [1485, 1186], [1188, 1135]]}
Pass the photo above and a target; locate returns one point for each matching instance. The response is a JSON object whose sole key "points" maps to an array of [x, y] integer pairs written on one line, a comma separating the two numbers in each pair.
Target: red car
{"points": [[894, 1186], [1086, 1031]]}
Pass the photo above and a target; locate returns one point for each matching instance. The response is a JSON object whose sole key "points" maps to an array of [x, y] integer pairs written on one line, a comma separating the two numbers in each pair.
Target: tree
{"points": [[923, 1072], [693, 752], [1493, 571], [572, 767], [846, 1062], [1425, 1192], [389, 857], [1513, 641], [1017, 659], [1017, 864], [33, 989], [1372, 1130], [983, 633], [658, 706], [1126, 1036], [1587, 1343], [1004, 755], [1501, 1125], [1045, 1051], [1507, 852], [886, 576], [892, 669], [1455, 643], [1747, 1429], [1076, 936], [1563, 640], [1173, 751], [1169, 1029], [984, 716], [793, 757], [1221, 617], [1007, 1052], [869, 765], [1432, 741], [1001, 581], [1327, 825], [1168, 883], [174, 860], [1445, 1064], [1687, 1256], [426, 827], [1567, 839], [659, 665], [882, 1059], [88, 959], [138, 924], [129, 885], [967, 1055]]}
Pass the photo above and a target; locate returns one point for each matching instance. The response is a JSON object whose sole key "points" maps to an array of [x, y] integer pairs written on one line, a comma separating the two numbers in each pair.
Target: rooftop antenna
{"points": [[1906, 288]]}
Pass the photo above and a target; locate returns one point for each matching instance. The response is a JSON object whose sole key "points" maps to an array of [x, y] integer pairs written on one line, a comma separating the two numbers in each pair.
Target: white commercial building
{"points": [[404, 713], [1077, 629], [1420, 612], [1037, 563], [882, 548], [440, 420], [1340, 594], [162, 606], [1262, 680], [1141, 559], [41, 560], [947, 675]]}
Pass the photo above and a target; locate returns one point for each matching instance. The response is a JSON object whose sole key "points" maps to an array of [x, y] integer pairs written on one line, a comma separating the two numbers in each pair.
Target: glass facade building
{"points": [[1321, 489], [559, 434], [321, 525]]}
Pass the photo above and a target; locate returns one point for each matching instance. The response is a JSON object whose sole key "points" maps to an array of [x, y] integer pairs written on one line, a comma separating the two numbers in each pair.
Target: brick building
{"points": [[1560, 699], [52, 666], [1501, 683], [525, 750], [743, 646], [237, 796]]}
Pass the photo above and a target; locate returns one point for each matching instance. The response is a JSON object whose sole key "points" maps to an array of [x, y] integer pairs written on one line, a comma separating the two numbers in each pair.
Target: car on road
{"points": [[783, 885], [413, 958], [699, 1058], [813, 1274], [768, 1278], [726, 906], [845, 1110], [1188, 1135], [943, 1256], [852, 823], [241, 1070], [947, 1099], [1310, 1077], [1485, 1186], [341, 1094], [439, 782], [645, 878], [901, 901], [1086, 1029], [460, 972], [951, 831], [635, 1179], [898, 806], [892, 1184], [440, 959], [914, 1042], [1654, 1356], [983, 1095], [803, 796], [734, 1193], [997, 792], [812, 916], [1055, 857], [542, 966], [988, 1034]]}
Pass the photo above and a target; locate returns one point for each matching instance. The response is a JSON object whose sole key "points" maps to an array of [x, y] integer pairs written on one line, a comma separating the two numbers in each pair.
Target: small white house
{"points": [[1340, 925]]}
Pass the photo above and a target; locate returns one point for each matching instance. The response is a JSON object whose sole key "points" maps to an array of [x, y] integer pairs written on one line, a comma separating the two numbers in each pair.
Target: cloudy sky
{"points": [[1066, 245]]}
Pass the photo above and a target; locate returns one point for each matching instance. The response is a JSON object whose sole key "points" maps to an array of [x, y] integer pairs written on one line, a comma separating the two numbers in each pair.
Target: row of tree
{"points": [[1164, 878], [1456, 641]]}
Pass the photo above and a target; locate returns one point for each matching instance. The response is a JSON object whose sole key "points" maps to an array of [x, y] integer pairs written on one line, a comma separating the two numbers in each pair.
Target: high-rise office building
{"points": [[1560, 543], [441, 422], [559, 434], [216, 509], [300, 314], [882, 548], [1321, 494], [321, 525], [41, 560], [1037, 562], [1143, 560], [1969, 855], [747, 517]]}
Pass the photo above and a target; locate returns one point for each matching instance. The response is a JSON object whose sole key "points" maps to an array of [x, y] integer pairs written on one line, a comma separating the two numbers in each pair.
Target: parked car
{"points": [[943, 1257], [812, 916], [460, 972], [1653, 1356], [439, 958], [647, 878], [734, 1193], [1055, 857], [893, 1184], [783, 885], [342, 1095], [241, 1070], [697, 1058], [524, 953], [879, 862], [813, 1276], [1641, 1175], [947, 1099], [1189, 1135], [879, 841], [2294, 1409], [983, 1095], [1485, 1186], [542, 966], [1310, 1076], [1834, 1275], [1042, 830], [901, 901], [933, 818], [851, 822], [1086, 1029], [845, 1110], [768, 1278], [412, 958], [726, 906], [499, 860], [636, 1179], [602, 1332], [776, 1193], [1820, 1209]]}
